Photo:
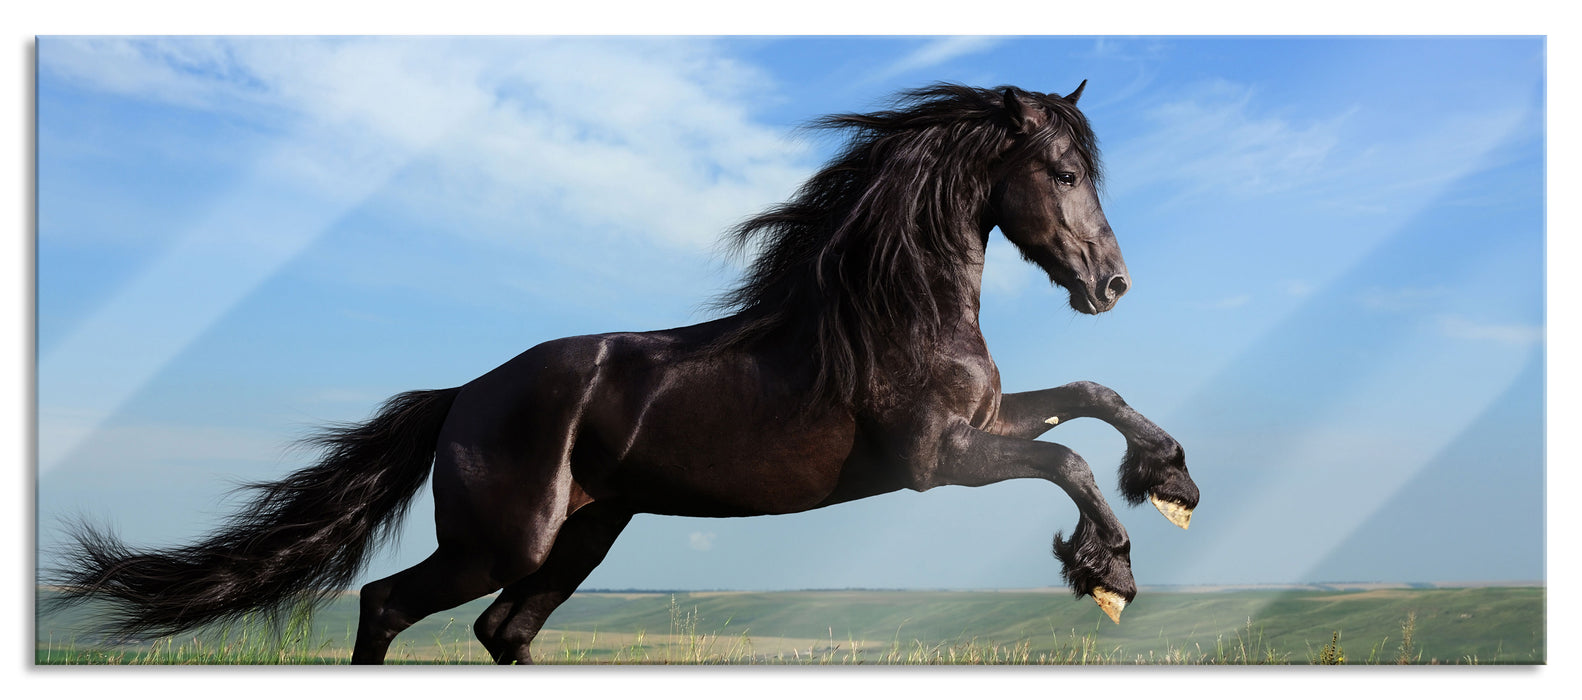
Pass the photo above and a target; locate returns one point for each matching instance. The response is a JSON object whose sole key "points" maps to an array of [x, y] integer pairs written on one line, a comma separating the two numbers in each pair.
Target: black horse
{"points": [[852, 366]]}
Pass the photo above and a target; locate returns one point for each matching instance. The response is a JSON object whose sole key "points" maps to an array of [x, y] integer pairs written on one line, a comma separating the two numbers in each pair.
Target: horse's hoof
{"points": [[1110, 602], [1174, 512]]}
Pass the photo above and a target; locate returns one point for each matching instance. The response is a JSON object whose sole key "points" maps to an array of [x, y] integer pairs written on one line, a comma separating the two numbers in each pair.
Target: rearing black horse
{"points": [[852, 366]]}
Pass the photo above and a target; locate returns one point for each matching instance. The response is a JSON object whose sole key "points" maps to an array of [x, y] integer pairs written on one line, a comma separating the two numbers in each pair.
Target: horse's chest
{"points": [[967, 386]]}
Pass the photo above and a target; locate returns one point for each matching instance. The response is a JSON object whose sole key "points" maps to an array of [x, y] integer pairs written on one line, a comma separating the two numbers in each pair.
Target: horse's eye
{"points": [[1066, 178]]}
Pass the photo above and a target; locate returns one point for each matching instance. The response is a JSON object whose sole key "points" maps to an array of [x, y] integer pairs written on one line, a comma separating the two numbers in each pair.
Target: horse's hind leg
{"points": [[509, 625], [494, 527], [444, 580], [1155, 465]]}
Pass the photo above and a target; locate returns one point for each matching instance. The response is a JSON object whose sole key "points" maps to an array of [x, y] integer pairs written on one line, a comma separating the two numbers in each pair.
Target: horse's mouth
{"points": [[1083, 298], [1083, 301]]}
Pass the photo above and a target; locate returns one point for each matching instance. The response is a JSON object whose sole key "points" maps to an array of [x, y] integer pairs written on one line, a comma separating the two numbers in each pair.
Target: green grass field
{"points": [[1491, 625]]}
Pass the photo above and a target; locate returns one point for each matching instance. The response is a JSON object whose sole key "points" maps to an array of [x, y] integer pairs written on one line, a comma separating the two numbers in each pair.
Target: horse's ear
{"points": [[1016, 111], [1072, 98]]}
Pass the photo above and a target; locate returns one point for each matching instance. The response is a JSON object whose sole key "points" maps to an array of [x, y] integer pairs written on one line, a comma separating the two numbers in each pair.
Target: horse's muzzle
{"points": [[1100, 299]]}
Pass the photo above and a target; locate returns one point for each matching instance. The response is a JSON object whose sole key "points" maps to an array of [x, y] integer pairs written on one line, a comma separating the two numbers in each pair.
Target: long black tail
{"points": [[300, 539]]}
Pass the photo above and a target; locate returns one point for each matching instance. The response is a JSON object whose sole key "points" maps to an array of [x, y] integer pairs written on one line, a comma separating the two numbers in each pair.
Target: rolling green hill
{"points": [[1503, 625]]}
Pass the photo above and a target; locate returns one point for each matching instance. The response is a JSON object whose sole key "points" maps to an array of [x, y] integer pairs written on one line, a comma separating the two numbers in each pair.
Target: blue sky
{"points": [[1337, 248]]}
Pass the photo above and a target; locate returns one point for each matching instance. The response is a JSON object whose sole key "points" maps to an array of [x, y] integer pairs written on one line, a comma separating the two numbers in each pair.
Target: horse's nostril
{"points": [[1117, 286]]}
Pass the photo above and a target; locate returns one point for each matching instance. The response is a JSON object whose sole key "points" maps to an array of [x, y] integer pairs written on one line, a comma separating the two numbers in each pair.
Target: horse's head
{"points": [[1046, 201]]}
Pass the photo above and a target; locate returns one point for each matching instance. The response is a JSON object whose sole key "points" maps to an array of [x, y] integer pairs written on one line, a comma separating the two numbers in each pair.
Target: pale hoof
{"points": [[1110, 602], [1174, 512]]}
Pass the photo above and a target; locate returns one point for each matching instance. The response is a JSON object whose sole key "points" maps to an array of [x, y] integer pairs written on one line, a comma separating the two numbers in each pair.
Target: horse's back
{"points": [[660, 423]]}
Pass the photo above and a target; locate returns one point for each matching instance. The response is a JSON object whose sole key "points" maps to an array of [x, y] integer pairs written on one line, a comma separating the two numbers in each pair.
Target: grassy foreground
{"points": [[1382, 626]]}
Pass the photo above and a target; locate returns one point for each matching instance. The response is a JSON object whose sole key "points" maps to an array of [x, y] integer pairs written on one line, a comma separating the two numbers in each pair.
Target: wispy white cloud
{"points": [[936, 52], [1423, 301], [1231, 302], [652, 140], [1400, 300], [151, 447], [1299, 288], [1319, 166], [1142, 55], [701, 541], [1130, 50], [1221, 138], [652, 137], [197, 72], [1216, 140], [1460, 327]]}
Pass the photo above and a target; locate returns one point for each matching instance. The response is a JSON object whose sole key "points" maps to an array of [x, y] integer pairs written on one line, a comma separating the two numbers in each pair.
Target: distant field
{"points": [[1484, 625]]}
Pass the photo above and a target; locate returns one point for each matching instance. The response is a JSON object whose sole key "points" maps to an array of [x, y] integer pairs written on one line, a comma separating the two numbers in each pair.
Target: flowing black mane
{"points": [[868, 253]]}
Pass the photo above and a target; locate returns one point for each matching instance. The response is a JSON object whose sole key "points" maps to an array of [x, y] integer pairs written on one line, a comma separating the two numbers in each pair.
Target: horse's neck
{"points": [[967, 299]]}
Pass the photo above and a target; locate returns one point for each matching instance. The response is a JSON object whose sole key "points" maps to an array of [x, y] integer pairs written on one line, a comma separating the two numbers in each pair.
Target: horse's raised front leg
{"points": [[1096, 560], [1155, 465]]}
